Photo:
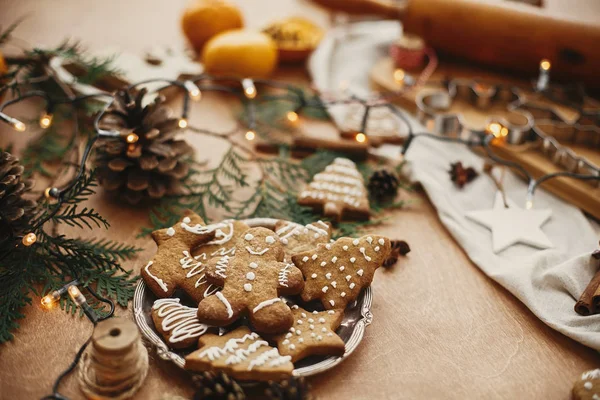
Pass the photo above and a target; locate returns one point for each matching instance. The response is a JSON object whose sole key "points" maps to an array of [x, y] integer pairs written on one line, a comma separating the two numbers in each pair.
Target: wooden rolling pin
{"points": [[499, 33]]}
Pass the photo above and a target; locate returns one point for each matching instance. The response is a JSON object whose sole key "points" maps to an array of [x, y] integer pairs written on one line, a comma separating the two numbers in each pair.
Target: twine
{"points": [[107, 376]]}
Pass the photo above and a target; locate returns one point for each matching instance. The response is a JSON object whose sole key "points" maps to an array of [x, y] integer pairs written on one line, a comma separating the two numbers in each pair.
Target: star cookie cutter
{"points": [[510, 107]]}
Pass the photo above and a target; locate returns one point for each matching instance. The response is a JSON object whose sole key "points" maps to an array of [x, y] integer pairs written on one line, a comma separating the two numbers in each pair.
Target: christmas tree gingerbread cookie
{"points": [[336, 272], [252, 284], [313, 333], [338, 192], [168, 269], [176, 323], [242, 354]]}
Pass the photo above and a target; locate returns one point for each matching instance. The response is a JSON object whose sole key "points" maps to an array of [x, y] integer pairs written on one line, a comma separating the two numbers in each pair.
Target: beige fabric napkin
{"points": [[547, 281]]}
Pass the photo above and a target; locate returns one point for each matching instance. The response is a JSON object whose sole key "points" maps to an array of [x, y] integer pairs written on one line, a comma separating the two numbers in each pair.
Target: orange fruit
{"points": [[207, 18], [240, 53], [3, 70]]}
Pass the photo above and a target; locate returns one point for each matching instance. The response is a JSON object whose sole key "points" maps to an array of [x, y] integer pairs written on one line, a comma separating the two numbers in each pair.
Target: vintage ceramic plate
{"points": [[356, 318]]}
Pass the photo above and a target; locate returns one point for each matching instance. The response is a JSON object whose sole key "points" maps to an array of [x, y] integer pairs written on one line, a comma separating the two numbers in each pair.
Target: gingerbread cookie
{"points": [[168, 269], [588, 387], [338, 192], [241, 354], [176, 323], [336, 272], [313, 333], [297, 238], [253, 281]]}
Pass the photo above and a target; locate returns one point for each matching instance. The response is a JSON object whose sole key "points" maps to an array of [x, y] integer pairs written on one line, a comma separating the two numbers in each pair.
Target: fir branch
{"points": [[6, 34], [73, 217]]}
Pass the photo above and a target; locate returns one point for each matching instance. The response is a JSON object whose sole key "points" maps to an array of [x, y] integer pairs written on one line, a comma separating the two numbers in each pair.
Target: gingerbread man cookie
{"points": [[240, 353], [253, 281], [168, 269], [336, 272], [339, 192], [588, 387], [176, 323], [313, 333], [297, 238]]}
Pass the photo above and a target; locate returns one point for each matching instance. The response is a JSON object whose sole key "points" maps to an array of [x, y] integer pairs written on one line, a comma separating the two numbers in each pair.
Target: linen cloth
{"points": [[549, 281]]}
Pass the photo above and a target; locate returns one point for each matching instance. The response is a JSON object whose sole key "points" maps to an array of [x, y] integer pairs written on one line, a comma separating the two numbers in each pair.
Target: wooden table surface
{"points": [[441, 329]]}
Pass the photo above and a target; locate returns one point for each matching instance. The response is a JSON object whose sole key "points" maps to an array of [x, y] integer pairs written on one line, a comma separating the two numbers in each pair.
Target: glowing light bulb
{"points": [[132, 138], [18, 125], [29, 239], [399, 75], [249, 88], [76, 295], [494, 128], [250, 135], [46, 121], [193, 90], [545, 64], [49, 299], [360, 137], [292, 116], [183, 123]]}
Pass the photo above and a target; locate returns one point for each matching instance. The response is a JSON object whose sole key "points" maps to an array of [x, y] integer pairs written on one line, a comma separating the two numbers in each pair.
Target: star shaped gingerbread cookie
{"points": [[313, 333]]}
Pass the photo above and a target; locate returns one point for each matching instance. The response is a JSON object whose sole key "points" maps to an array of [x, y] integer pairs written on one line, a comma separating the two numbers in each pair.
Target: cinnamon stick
{"points": [[590, 298]]}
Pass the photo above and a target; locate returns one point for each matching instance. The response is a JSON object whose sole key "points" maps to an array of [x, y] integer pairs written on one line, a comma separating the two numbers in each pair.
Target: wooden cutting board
{"points": [[579, 193]]}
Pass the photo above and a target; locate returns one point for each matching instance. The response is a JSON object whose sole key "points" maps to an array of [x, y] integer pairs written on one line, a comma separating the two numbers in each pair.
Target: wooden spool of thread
{"points": [[116, 363], [408, 52]]}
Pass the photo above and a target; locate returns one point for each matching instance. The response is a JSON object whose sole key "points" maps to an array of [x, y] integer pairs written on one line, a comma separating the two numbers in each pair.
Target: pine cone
{"points": [[383, 185], [155, 164], [291, 389], [217, 386], [461, 175], [15, 211]]}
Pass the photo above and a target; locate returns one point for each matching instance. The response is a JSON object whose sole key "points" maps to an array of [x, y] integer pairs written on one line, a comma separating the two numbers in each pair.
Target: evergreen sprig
{"points": [[55, 260]]}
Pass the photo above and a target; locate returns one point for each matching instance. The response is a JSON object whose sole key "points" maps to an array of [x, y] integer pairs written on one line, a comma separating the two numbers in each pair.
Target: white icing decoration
{"points": [[345, 248], [288, 335], [323, 329], [381, 241], [253, 265], [283, 275], [221, 297], [362, 251], [301, 340], [215, 352], [328, 275], [370, 239], [360, 272], [313, 334], [376, 248], [334, 259], [179, 321], [332, 303], [315, 312], [286, 341], [311, 320], [588, 385], [322, 320], [284, 241], [343, 294], [319, 338], [248, 287], [334, 284], [312, 326], [355, 242], [186, 220], [348, 277], [249, 236], [267, 303], [342, 268], [352, 260], [303, 315], [160, 282], [305, 259], [324, 289], [270, 239], [328, 246], [298, 332], [329, 334], [221, 267], [313, 276], [352, 285], [314, 256], [292, 346], [299, 322], [294, 307], [220, 236], [196, 267], [324, 263], [171, 231], [592, 374], [330, 312], [250, 276], [256, 253]]}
